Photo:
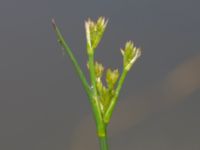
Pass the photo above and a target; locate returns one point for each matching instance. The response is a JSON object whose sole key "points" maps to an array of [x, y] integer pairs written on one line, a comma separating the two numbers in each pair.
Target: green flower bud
{"points": [[104, 99], [130, 54], [94, 33], [111, 78], [98, 70]]}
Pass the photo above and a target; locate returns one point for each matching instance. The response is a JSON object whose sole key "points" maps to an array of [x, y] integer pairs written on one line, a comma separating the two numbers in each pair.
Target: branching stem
{"points": [[94, 32], [113, 102]]}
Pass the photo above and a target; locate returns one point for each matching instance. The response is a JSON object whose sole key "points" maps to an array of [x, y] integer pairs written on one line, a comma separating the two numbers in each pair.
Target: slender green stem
{"points": [[103, 143], [113, 102], [98, 117], [92, 73], [95, 102], [71, 55]]}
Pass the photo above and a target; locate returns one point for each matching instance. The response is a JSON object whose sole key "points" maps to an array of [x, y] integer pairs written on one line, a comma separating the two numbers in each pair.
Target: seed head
{"points": [[130, 54], [94, 32], [111, 78]]}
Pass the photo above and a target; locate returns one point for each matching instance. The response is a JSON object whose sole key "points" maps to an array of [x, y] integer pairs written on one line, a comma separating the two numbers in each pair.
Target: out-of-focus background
{"points": [[42, 103]]}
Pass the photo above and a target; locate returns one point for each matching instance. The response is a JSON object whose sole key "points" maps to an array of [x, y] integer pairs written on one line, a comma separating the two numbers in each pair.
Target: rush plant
{"points": [[102, 98]]}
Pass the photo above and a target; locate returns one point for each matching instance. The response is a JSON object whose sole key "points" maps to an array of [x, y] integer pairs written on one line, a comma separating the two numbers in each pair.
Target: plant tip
{"points": [[53, 23]]}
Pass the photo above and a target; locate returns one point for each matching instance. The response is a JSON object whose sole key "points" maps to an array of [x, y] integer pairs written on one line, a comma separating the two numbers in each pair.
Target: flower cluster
{"points": [[105, 93], [103, 98], [94, 32], [130, 54]]}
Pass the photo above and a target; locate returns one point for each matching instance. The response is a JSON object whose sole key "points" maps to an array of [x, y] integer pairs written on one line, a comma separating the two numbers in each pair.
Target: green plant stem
{"points": [[113, 102], [103, 142], [98, 117], [95, 102], [92, 73], [71, 55]]}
